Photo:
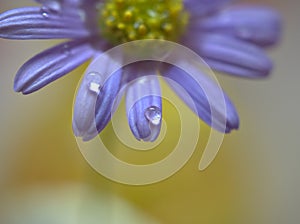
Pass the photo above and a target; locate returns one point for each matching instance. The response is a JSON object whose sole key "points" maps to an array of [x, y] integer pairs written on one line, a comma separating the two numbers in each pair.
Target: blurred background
{"points": [[254, 179]]}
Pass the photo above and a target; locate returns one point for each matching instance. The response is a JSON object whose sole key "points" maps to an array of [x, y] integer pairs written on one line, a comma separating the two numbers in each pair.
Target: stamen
{"points": [[122, 21]]}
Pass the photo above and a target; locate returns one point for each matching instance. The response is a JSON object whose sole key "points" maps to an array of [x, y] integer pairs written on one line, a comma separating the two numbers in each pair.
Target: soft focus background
{"points": [[254, 179]]}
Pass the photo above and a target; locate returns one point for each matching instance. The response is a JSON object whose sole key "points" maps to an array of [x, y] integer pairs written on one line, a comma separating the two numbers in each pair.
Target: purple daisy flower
{"points": [[229, 38]]}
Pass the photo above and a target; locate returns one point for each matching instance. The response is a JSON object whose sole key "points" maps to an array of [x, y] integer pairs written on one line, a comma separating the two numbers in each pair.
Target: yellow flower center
{"points": [[127, 20]]}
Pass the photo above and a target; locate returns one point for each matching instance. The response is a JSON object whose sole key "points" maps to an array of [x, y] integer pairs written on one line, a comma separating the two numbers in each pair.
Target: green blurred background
{"points": [[254, 179]]}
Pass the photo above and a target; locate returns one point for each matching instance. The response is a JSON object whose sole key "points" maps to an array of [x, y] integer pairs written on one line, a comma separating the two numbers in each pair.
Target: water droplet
{"points": [[95, 74], [50, 6], [94, 87], [95, 82], [45, 12], [153, 114]]}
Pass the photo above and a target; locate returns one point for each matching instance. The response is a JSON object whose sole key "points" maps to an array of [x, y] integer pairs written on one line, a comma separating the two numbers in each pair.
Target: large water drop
{"points": [[153, 114]]}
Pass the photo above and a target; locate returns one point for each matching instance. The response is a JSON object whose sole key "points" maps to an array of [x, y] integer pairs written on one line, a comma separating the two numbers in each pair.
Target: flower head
{"points": [[229, 38]]}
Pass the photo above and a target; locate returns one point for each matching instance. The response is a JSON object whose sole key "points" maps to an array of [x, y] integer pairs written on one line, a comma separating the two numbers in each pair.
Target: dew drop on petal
{"points": [[94, 87], [153, 114], [95, 82], [44, 12]]}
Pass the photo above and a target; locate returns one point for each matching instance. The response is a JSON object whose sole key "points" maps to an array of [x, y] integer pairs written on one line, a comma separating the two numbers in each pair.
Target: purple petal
{"points": [[204, 97], [203, 7], [107, 100], [38, 23], [51, 64], [143, 104], [240, 58], [97, 96], [94, 104], [84, 108], [257, 24]]}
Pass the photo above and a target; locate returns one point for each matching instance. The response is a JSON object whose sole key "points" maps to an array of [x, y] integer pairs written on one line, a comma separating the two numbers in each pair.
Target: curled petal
{"points": [[256, 24], [144, 106], [51, 64], [84, 109], [204, 97], [238, 57], [40, 23], [96, 97], [94, 104]]}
